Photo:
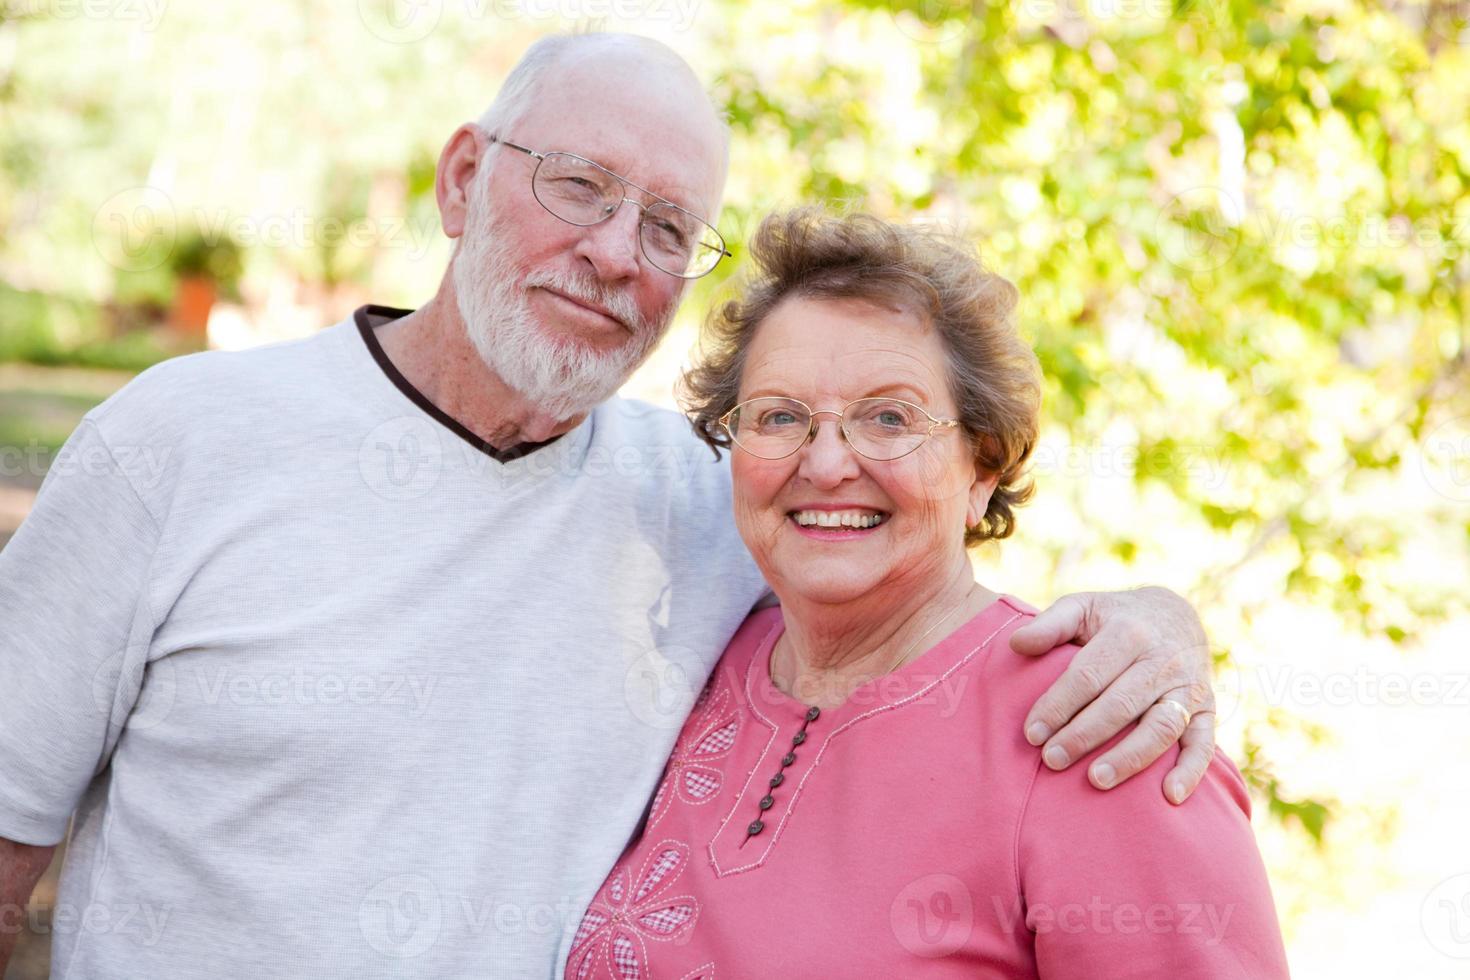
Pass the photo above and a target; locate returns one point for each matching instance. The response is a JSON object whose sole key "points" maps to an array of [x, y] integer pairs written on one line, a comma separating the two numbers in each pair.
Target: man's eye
{"points": [[580, 187], [670, 234]]}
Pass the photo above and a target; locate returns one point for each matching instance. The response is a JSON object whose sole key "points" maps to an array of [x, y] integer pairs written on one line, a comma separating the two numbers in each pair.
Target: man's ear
{"points": [[459, 162], [980, 493]]}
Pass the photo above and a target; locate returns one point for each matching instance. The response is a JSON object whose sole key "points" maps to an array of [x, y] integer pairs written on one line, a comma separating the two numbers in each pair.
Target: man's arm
{"points": [[1138, 647], [21, 866]]}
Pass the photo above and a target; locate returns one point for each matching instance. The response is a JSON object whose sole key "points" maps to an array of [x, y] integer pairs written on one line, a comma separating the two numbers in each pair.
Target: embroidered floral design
{"points": [[692, 775], [610, 940]]}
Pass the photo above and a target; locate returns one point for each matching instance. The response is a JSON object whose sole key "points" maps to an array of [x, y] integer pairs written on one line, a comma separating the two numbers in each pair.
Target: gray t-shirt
{"points": [[333, 692]]}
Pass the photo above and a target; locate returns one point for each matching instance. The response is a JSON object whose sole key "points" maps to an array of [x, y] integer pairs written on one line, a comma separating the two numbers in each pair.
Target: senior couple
{"points": [[402, 503]]}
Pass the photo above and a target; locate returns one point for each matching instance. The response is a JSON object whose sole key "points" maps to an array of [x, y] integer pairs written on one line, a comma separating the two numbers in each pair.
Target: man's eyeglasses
{"points": [[581, 192], [878, 428]]}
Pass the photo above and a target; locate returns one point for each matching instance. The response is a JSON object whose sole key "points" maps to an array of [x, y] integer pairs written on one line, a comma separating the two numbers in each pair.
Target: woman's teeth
{"points": [[837, 518]]}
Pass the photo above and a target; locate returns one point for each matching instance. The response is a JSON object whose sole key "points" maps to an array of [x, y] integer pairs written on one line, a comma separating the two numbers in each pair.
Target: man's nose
{"points": [[827, 459], [611, 247]]}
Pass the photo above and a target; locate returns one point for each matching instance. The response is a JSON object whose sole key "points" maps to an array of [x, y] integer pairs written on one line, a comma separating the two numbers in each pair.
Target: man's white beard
{"points": [[562, 379]]}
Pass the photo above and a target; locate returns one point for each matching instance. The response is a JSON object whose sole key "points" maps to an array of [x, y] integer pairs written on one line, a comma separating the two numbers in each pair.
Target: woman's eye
{"points": [[778, 418]]}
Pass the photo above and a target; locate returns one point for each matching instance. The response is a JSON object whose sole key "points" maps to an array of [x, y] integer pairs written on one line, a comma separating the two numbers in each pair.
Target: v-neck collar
{"points": [[364, 317]]}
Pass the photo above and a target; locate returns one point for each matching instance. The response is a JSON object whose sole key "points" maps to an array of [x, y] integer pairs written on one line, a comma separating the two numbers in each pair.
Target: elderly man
{"points": [[360, 656]]}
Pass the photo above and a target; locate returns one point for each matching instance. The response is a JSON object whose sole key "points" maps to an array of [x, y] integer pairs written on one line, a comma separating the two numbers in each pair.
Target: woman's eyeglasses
{"points": [[878, 428]]}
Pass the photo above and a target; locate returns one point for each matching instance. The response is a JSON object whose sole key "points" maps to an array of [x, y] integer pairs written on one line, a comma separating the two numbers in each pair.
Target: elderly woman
{"points": [[828, 810]]}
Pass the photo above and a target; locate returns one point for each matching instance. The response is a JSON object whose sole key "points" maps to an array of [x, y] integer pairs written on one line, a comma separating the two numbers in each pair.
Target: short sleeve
{"points": [[1123, 885], [74, 634]]}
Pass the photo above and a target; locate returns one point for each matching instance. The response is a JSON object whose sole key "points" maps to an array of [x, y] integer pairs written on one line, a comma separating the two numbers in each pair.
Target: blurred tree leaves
{"points": [[1241, 230]]}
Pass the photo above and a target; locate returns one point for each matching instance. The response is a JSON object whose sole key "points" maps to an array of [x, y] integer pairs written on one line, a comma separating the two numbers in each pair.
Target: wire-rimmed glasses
{"points": [[581, 192], [881, 429]]}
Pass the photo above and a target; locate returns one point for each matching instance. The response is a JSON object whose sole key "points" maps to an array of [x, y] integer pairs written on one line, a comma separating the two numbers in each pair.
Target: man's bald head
{"points": [[617, 60]]}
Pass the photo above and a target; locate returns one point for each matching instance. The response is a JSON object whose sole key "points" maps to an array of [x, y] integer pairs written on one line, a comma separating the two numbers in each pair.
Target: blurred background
{"points": [[1241, 232]]}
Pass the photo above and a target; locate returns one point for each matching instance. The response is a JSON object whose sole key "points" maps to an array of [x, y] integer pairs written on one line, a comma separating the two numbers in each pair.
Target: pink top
{"points": [[912, 831]]}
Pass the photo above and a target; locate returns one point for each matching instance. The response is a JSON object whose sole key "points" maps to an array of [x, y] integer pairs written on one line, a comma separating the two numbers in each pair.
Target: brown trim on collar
{"points": [[369, 336]]}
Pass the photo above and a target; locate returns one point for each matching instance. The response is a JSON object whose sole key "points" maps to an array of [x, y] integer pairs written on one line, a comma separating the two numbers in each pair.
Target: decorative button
{"points": [[778, 779], [755, 827], [813, 713], [788, 758], [767, 801], [798, 738]]}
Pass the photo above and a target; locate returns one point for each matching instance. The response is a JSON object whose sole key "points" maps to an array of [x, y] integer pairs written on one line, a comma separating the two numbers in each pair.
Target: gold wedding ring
{"points": [[1177, 706]]}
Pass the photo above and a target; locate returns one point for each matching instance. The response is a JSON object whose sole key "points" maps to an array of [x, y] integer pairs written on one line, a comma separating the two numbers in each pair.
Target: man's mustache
{"points": [[586, 289]]}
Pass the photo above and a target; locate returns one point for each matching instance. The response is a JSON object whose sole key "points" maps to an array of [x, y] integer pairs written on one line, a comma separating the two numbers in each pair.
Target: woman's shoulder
{"points": [[1021, 677]]}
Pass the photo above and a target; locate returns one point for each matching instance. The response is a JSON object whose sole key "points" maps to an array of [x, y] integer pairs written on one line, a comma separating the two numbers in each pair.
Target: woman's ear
{"points": [[981, 491]]}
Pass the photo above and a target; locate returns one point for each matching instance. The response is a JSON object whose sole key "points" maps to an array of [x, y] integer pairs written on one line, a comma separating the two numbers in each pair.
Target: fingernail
{"points": [[1055, 757], [1037, 733], [1176, 792], [1103, 775]]}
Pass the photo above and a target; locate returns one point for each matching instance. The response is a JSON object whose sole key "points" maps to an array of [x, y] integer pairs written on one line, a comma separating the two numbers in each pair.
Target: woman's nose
{"points": [[827, 459]]}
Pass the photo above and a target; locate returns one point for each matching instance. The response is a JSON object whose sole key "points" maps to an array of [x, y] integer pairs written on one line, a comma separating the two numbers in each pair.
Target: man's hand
{"points": [[1138, 647]]}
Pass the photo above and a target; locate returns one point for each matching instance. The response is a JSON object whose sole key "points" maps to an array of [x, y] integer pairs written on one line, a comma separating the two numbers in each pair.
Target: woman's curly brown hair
{"points": [[993, 374]]}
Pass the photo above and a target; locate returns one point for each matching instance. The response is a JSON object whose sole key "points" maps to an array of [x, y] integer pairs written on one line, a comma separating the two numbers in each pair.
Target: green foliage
{"points": [[1241, 232]]}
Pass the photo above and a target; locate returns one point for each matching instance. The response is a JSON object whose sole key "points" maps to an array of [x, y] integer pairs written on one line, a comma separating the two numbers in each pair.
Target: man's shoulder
{"points": [[193, 388], [634, 414], [660, 437]]}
